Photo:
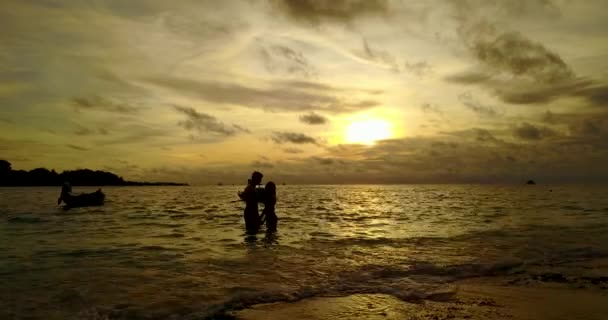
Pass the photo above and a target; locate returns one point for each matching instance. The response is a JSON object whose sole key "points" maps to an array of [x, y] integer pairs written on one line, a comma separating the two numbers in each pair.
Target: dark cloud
{"points": [[341, 11], [313, 118], [283, 59], [474, 105], [548, 117], [483, 135], [83, 131], [513, 67], [98, 103], [516, 55], [203, 122], [431, 108], [328, 161], [469, 10], [75, 147], [469, 77], [124, 131], [293, 150], [592, 92], [475, 135], [420, 69], [262, 164], [194, 26], [379, 56], [595, 93], [527, 131], [292, 137], [583, 127], [587, 127], [280, 96]]}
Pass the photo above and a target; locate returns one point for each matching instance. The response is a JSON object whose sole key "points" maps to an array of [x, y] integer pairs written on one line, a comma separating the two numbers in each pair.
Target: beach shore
{"points": [[472, 299]]}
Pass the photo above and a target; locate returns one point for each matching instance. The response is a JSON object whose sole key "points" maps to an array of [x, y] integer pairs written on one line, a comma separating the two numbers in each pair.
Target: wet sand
{"points": [[473, 299]]}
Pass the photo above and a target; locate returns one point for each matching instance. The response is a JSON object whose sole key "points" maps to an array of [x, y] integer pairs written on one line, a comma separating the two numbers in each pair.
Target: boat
{"points": [[85, 200], [81, 200]]}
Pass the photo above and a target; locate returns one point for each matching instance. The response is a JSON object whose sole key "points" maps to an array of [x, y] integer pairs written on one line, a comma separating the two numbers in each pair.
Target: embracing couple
{"points": [[252, 195]]}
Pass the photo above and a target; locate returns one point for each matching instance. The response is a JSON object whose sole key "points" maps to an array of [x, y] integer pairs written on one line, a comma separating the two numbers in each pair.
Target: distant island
{"points": [[80, 177]]}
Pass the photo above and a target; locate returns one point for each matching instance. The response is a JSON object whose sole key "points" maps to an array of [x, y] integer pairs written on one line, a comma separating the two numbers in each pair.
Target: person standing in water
{"points": [[249, 195], [270, 200]]}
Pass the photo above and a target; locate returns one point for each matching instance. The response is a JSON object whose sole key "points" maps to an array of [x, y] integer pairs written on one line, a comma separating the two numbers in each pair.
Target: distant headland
{"points": [[80, 177]]}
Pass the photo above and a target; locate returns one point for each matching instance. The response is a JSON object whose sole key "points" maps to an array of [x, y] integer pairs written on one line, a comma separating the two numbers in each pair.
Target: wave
{"points": [[23, 219], [368, 279]]}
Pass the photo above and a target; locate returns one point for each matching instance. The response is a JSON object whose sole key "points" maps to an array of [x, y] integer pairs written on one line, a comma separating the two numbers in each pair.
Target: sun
{"points": [[368, 131]]}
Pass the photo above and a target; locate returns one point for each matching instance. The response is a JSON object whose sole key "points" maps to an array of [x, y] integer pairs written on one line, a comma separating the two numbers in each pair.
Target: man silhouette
{"points": [[251, 214]]}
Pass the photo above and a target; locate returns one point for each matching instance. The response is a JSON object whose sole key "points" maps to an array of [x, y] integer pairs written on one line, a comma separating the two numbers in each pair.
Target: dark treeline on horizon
{"points": [[80, 177]]}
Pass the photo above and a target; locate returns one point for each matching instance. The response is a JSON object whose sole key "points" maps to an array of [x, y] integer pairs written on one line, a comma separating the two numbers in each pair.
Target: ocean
{"points": [[182, 253]]}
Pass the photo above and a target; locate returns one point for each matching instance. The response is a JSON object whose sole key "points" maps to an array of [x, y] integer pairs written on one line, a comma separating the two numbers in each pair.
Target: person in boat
{"points": [[66, 193], [250, 196], [268, 214]]}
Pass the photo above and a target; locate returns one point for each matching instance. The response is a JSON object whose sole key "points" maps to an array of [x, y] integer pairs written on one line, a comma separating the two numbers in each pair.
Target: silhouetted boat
{"points": [[530, 182], [84, 200]]}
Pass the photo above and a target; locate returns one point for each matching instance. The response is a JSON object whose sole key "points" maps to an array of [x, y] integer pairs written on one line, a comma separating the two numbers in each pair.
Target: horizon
{"points": [[308, 92], [513, 182]]}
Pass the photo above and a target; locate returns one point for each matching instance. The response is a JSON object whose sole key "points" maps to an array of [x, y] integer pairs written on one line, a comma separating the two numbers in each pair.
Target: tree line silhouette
{"points": [[80, 177]]}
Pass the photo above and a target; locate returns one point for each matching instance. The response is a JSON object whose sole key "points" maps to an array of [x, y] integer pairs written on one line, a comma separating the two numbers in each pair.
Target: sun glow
{"points": [[368, 131]]}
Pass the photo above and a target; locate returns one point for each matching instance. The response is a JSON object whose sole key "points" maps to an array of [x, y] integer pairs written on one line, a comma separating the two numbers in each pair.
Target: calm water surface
{"points": [[181, 252]]}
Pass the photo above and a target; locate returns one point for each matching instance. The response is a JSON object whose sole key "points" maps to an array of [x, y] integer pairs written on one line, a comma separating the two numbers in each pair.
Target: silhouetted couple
{"points": [[252, 195]]}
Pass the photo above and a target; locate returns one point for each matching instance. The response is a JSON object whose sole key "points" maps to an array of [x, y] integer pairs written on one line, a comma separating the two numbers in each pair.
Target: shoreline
{"points": [[479, 298], [168, 184]]}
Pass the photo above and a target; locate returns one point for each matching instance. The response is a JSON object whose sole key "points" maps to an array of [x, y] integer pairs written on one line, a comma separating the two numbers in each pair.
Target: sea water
{"points": [[182, 253]]}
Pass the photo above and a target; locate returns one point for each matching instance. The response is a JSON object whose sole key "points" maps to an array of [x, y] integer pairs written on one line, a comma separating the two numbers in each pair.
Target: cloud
{"points": [[75, 147], [83, 131], [469, 77], [420, 69], [279, 96], [475, 135], [293, 150], [314, 12], [595, 93], [526, 131], [515, 68], [583, 127], [378, 56], [516, 55], [474, 105], [313, 118], [129, 131], [262, 164], [483, 135], [588, 127], [98, 103], [281, 58], [292, 137], [430, 108], [203, 122], [328, 161], [592, 92]]}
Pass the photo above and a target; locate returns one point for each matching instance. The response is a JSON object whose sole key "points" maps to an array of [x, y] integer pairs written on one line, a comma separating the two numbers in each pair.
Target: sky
{"points": [[308, 91]]}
